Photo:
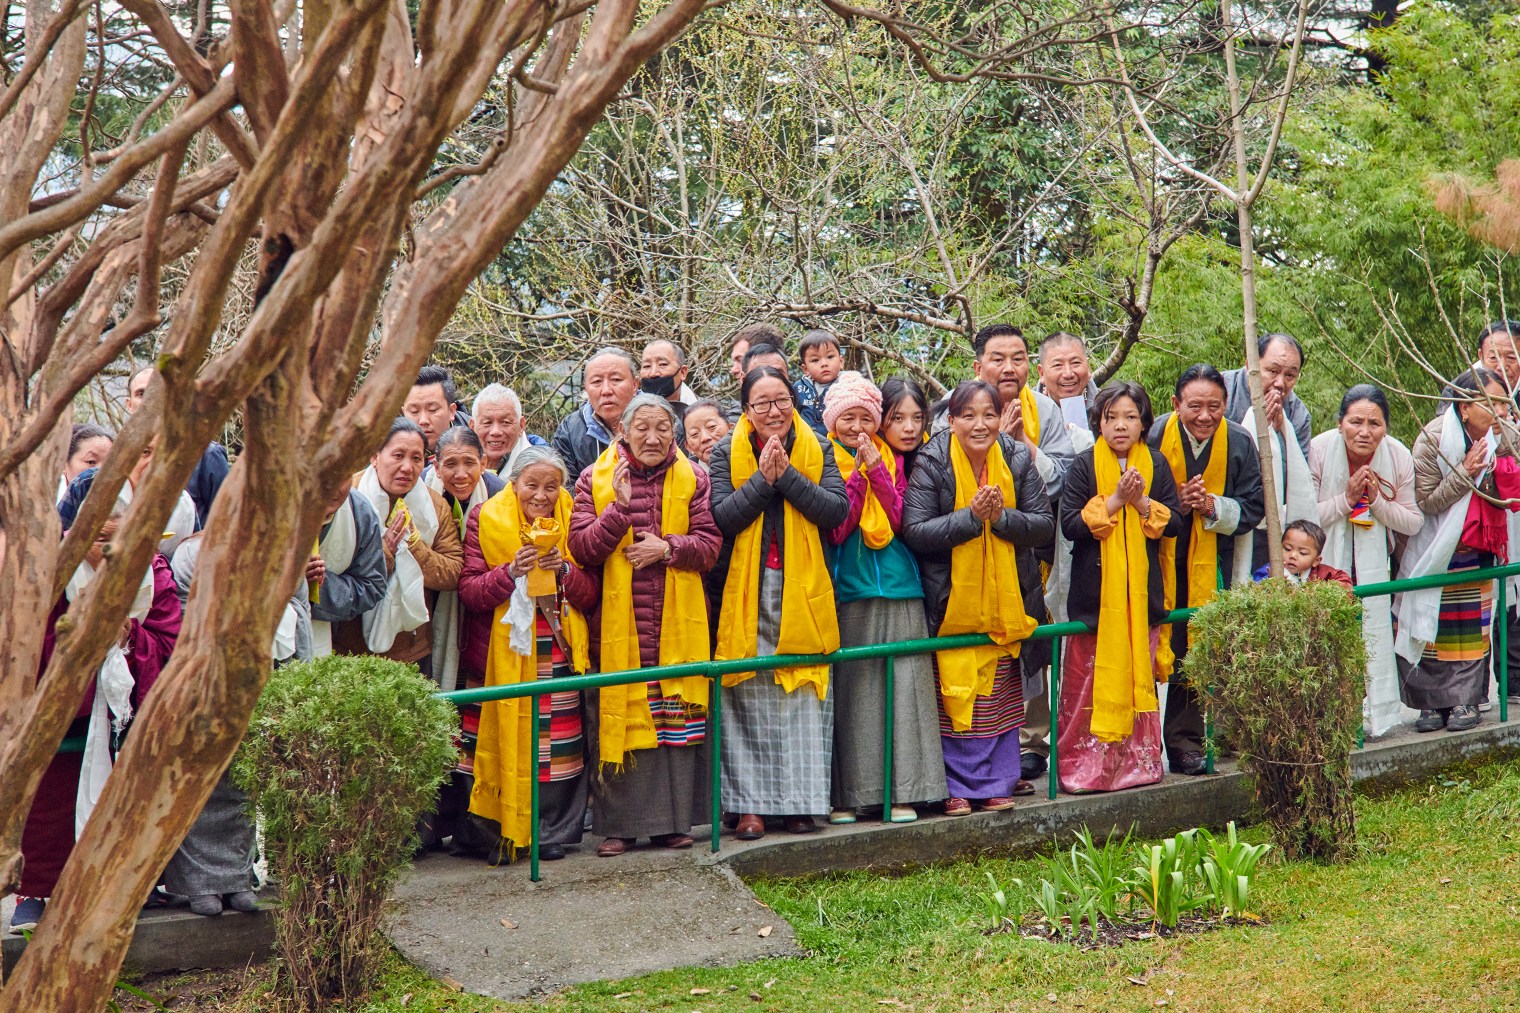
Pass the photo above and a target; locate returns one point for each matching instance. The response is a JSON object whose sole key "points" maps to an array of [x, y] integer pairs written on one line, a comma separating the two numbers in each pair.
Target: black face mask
{"points": [[659, 386]]}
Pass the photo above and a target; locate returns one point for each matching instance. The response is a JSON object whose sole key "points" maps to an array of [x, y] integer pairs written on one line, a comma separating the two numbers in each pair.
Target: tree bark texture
{"points": [[340, 115]]}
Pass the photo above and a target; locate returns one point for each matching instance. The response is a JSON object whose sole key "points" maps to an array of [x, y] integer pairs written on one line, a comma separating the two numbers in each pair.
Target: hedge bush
{"points": [[343, 756], [1282, 668]]}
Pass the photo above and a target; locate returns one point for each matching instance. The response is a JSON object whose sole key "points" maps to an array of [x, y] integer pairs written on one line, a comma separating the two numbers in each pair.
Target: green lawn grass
{"points": [[1427, 918]]}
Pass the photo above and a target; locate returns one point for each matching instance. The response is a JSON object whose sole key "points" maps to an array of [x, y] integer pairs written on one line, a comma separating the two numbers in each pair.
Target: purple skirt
{"points": [[983, 761]]}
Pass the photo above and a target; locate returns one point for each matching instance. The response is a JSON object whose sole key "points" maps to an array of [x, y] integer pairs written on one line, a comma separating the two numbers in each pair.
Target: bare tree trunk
{"points": [[1246, 197]]}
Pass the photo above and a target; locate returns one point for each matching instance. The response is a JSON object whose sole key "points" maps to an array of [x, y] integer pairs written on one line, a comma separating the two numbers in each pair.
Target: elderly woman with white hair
{"points": [[518, 568], [642, 515], [499, 421]]}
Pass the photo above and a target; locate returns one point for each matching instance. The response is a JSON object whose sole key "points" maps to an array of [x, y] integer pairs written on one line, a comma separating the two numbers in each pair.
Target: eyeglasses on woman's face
{"points": [[780, 404]]}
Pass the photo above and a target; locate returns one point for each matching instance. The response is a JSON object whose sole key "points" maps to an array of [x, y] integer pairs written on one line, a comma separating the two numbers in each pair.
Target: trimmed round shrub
{"points": [[343, 756], [1282, 668]]}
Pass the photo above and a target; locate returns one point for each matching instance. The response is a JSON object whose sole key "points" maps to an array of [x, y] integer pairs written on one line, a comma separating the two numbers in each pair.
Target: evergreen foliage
{"points": [[1281, 668], [343, 756]]}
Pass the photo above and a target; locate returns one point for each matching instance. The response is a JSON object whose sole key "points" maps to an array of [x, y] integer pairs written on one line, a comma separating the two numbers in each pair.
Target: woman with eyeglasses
{"points": [[1366, 497], [1464, 466], [775, 484]]}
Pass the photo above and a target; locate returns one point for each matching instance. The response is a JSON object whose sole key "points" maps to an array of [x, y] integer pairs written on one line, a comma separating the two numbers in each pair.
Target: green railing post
{"points": [[1208, 738], [886, 752], [1055, 712], [1501, 646], [715, 755], [533, 795]]}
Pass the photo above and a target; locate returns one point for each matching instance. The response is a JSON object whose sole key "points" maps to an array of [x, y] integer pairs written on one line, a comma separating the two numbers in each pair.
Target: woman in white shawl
{"points": [[1443, 632], [423, 555], [1366, 497]]}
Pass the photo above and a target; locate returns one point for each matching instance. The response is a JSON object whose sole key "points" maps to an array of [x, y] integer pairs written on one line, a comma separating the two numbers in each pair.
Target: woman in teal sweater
{"points": [[880, 599]]}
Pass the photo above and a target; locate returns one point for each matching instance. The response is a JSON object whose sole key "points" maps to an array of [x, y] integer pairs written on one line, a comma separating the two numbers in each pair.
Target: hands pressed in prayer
{"points": [[773, 460], [316, 570], [1273, 403], [987, 504], [1131, 489], [1476, 459], [867, 456], [1194, 496], [1012, 420]]}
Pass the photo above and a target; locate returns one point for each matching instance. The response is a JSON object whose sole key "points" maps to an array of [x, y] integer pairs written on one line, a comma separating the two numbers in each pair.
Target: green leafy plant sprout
{"points": [[1229, 865]]}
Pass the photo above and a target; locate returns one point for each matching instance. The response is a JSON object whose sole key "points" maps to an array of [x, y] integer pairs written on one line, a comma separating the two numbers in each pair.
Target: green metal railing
{"points": [[715, 670]]}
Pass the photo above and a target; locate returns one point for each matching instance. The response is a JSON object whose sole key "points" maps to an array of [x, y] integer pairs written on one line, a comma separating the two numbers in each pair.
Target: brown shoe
{"points": [[673, 841], [613, 847], [801, 825], [957, 807], [995, 805], [749, 828], [1023, 788]]}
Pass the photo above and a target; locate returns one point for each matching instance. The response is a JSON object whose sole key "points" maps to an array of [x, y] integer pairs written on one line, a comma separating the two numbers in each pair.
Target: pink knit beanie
{"points": [[851, 390]]}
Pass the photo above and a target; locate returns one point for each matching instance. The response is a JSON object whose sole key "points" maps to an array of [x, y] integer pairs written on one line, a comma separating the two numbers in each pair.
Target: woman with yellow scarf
{"points": [[642, 515], [1120, 501], [1218, 475], [518, 567], [974, 511], [774, 485], [881, 599]]}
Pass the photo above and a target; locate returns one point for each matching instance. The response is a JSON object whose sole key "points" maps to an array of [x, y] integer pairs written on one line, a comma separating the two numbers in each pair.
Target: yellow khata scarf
{"points": [[984, 596], [1031, 412], [625, 723], [1203, 546], [875, 527], [1124, 681], [506, 758], [809, 624]]}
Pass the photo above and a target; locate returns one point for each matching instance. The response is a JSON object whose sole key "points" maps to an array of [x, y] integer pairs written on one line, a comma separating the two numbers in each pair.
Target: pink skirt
{"points": [[1083, 763]]}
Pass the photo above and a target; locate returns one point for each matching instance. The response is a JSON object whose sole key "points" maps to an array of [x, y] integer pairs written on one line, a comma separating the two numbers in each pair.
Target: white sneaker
{"points": [[903, 814], [838, 817]]}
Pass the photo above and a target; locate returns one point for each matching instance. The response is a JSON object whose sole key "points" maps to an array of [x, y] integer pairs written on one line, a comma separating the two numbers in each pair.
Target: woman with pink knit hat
{"points": [[880, 599]]}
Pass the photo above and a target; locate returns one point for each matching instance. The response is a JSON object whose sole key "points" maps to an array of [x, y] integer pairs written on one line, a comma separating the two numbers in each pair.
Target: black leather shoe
{"points": [[1191, 763], [1031, 766], [551, 852]]}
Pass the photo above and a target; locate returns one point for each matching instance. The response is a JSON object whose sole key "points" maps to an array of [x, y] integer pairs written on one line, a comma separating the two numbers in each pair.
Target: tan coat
{"points": [[1433, 491], [441, 563]]}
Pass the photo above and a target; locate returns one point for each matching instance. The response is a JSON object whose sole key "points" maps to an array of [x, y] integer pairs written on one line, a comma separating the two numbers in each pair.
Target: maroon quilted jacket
{"points": [[482, 589], [594, 538]]}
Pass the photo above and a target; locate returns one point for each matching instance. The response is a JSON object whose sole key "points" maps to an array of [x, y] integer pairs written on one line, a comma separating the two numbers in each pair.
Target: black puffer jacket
{"points": [[933, 527], [1087, 552], [824, 502]]}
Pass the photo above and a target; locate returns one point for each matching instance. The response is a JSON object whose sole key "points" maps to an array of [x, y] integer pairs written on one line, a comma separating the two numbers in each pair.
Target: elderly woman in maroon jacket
{"points": [[47, 839], [537, 481], [642, 514]]}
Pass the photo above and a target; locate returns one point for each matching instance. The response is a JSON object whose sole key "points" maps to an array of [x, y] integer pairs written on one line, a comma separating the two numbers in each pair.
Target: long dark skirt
{"points": [[664, 790], [860, 701], [47, 838], [218, 853]]}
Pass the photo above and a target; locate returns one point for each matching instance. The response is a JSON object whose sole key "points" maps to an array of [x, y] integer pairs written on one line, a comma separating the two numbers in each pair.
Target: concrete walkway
{"points": [[497, 933]]}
